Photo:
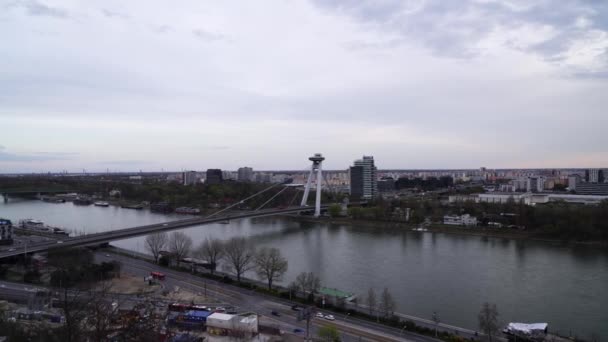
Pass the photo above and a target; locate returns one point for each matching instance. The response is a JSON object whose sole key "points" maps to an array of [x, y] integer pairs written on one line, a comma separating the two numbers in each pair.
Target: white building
{"points": [[189, 177], [460, 220], [245, 174], [497, 197], [235, 325]]}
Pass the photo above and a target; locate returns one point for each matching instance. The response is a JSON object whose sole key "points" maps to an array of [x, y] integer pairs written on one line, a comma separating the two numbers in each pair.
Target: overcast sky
{"points": [[130, 85]]}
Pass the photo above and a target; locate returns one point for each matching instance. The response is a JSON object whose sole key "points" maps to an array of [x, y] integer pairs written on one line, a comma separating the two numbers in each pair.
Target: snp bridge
{"points": [[120, 234]]}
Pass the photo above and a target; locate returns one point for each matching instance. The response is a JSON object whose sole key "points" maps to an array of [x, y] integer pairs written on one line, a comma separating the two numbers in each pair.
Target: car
{"points": [[329, 317], [275, 313], [165, 224], [12, 250], [59, 241], [320, 315], [298, 330], [296, 308], [107, 255]]}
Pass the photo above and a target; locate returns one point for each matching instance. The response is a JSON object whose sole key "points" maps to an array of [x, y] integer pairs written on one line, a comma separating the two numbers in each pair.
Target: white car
{"points": [[59, 241], [320, 315], [329, 317]]}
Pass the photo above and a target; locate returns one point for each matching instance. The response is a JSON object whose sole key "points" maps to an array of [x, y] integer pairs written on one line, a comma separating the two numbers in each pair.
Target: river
{"points": [[563, 285]]}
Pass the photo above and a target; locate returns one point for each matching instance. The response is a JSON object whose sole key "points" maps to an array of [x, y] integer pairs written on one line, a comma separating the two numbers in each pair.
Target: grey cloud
{"points": [[453, 28], [114, 14], [34, 157], [161, 28], [208, 36], [36, 8]]}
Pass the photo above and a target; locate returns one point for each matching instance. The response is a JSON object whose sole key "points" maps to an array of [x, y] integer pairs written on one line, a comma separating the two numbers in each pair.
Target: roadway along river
{"points": [[565, 286]]}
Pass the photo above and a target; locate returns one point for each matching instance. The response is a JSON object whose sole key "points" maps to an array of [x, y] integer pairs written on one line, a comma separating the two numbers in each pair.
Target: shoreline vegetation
{"points": [[556, 222], [501, 233]]}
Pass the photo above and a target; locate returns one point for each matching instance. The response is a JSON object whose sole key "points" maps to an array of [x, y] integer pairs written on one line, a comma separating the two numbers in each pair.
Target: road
{"points": [[246, 300]]}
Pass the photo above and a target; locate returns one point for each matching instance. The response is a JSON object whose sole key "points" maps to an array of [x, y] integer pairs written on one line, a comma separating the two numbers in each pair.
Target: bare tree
{"points": [[155, 243], [488, 319], [387, 303], [270, 265], [179, 245], [308, 282], [211, 250], [239, 256], [371, 301]]}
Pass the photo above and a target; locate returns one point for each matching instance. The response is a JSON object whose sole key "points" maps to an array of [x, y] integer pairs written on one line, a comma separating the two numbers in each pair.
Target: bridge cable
{"points": [[271, 198], [243, 201]]}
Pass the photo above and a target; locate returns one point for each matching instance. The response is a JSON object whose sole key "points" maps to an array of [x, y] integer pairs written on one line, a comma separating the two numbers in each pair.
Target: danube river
{"points": [[565, 286]]}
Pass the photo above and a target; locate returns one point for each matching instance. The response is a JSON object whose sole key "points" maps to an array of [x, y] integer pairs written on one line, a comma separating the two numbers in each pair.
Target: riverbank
{"points": [[501, 233]]}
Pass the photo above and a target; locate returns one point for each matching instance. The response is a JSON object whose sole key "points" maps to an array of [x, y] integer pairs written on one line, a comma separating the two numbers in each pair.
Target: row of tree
{"points": [[237, 255]]}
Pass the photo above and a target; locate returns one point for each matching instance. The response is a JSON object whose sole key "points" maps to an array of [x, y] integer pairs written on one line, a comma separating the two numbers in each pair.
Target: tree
{"points": [[335, 210], [387, 303], [371, 301], [308, 282], [270, 265], [488, 319], [179, 245], [239, 255], [155, 243], [329, 333], [212, 250]]}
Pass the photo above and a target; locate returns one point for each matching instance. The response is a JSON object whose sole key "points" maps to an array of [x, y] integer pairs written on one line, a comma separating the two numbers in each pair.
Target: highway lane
{"points": [[246, 300]]}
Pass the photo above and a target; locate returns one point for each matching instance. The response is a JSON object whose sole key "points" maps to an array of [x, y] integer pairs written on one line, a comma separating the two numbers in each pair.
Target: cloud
{"points": [[34, 157], [36, 8], [572, 34], [114, 14], [209, 36]]}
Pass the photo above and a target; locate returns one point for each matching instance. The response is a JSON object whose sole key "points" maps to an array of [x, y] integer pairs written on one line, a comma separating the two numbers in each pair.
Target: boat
{"points": [[38, 225], [82, 201], [133, 206], [101, 204], [53, 199], [188, 210]]}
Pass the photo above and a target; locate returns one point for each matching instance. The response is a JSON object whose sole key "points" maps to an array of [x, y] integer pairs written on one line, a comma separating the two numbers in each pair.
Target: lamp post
{"points": [[436, 320]]}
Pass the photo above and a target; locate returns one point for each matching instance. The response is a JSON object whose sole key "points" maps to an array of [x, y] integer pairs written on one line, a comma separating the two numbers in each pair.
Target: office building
{"points": [[245, 174], [214, 176], [594, 176], [363, 179], [535, 184], [189, 177]]}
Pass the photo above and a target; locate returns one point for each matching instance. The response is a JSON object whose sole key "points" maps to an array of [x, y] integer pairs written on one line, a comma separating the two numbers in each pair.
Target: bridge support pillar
{"points": [[317, 161]]}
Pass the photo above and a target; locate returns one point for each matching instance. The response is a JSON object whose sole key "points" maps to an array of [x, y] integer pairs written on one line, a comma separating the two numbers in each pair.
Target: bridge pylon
{"points": [[317, 160]]}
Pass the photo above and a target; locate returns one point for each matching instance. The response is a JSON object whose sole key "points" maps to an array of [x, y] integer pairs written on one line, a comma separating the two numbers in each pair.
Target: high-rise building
{"points": [[245, 174], [189, 177], [363, 179], [214, 176], [6, 232], [594, 176], [535, 184]]}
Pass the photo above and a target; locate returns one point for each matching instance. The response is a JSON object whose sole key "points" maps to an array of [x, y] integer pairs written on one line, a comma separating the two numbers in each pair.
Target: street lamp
{"points": [[436, 320]]}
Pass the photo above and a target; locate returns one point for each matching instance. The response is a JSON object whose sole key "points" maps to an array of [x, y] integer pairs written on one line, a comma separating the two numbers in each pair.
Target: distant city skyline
{"points": [[417, 84]]}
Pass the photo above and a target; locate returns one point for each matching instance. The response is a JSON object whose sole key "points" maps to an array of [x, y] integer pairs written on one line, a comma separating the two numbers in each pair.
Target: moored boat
{"points": [[101, 204]]}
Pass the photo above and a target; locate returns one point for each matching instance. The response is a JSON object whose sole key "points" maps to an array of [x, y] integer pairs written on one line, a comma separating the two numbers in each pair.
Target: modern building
{"points": [[214, 176], [6, 232], [592, 189], [189, 177], [460, 220], [363, 179], [245, 174], [594, 176], [386, 184], [535, 184]]}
